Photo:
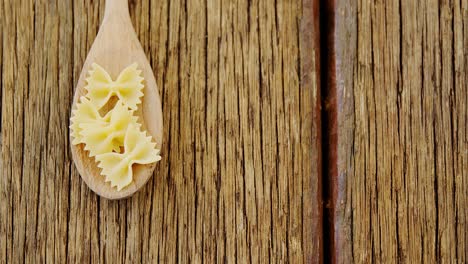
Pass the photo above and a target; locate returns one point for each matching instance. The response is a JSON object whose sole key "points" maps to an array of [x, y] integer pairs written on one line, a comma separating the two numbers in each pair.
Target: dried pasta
{"points": [[128, 86], [85, 112], [115, 139], [102, 137], [117, 167]]}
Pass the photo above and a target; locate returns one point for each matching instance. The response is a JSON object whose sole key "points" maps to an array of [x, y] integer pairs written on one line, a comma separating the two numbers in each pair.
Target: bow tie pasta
{"points": [[128, 86], [113, 138], [85, 112], [117, 167], [102, 137]]}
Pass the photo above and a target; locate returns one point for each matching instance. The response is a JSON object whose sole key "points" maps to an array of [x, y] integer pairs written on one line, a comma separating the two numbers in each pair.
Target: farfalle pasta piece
{"points": [[108, 136], [117, 167], [85, 112], [128, 86]]}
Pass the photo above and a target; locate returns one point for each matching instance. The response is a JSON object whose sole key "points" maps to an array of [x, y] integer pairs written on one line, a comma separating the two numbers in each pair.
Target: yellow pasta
{"points": [[128, 86], [85, 112], [117, 167], [115, 139], [102, 137]]}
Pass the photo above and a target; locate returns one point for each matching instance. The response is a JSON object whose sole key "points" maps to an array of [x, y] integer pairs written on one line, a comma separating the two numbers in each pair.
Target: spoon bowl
{"points": [[116, 46]]}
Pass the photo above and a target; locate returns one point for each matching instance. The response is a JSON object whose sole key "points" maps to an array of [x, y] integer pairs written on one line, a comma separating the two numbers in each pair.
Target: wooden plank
{"points": [[400, 158], [240, 177]]}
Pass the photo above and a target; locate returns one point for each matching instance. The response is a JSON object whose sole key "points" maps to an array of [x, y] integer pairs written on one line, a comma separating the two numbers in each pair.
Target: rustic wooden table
{"points": [[400, 192], [245, 140]]}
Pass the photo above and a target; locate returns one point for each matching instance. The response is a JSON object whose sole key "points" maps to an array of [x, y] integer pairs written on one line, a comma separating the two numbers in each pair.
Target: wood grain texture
{"points": [[400, 108], [240, 175]]}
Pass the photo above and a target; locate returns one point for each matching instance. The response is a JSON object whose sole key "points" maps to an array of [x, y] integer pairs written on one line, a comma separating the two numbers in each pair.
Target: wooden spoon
{"points": [[116, 46]]}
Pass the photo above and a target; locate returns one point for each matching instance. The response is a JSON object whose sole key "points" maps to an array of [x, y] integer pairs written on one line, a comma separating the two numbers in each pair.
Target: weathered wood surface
{"points": [[400, 162], [240, 175]]}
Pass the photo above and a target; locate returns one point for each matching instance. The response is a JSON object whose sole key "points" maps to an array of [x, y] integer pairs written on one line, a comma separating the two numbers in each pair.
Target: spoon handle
{"points": [[116, 9]]}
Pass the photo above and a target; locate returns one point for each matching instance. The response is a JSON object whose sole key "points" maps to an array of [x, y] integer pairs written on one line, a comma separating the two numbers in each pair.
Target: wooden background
{"points": [[239, 178], [400, 162]]}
